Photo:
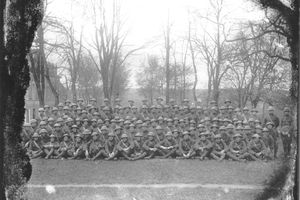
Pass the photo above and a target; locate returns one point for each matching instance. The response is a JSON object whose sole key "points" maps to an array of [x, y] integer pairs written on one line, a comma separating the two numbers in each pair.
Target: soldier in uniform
{"points": [[219, 148], [97, 147], [51, 148], [35, 147], [66, 148], [274, 133], [150, 146], [111, 147], [286, 130], [167, 147], [186, 147], [79, 148], [203, 146], [257, 148], [237, 148], [138, 150], [125, 147], [272, 118], [269, 143]]}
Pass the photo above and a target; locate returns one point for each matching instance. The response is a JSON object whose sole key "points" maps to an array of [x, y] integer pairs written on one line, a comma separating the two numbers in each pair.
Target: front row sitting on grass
{"points": [[186, 145]]}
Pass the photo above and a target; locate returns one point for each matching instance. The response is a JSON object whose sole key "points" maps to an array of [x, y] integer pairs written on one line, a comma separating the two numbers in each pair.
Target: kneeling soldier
{"points": [[237, 148], [138, 150], [186, 146], [167, 148], [219, 148], [51, 148], [125, 147]]}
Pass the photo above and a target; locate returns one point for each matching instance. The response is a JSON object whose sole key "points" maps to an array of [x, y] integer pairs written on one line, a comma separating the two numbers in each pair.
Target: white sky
{"points": [[145, 21]]}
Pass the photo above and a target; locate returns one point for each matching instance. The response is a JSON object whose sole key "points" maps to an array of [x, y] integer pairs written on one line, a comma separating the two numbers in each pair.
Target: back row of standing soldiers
{"points": [[79, 131]]}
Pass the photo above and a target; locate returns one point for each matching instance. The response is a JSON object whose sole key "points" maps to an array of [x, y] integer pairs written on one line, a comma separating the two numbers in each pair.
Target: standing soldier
{"points": [[286, 130], [274, 133], [272, 118]]}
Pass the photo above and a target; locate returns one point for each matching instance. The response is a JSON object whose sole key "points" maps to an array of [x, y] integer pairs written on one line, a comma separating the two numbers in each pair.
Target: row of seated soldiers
{"points": [[134, 139]]}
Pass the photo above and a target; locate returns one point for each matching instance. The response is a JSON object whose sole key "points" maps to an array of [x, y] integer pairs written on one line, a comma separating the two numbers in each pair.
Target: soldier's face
{"points": [[52, 139], [36, 138], [186, 136], [78, 139], [124, 139], [169, 137], [110, 138], [138, 138], [66, 138], [95, 137], [218, 139]]}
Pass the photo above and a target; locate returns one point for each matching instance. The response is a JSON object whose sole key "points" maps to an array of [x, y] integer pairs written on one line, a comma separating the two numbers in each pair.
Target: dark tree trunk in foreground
{"points": [[23, 17]]}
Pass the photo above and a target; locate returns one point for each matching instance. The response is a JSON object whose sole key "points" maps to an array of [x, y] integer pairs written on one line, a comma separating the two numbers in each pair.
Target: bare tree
{"points": [[167, 64]]}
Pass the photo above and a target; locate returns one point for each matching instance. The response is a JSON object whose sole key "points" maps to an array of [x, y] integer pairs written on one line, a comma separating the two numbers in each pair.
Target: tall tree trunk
{"points": [[53, 90], [14, 83], [168, 62]]}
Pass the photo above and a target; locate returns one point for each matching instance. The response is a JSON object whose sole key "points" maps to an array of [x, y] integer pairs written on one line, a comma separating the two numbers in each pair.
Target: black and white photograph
{"points": [[149, 99]]}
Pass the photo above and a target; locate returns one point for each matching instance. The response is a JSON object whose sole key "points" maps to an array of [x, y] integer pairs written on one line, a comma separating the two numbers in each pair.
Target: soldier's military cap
{"points": [[176, 106], [86, 132], [33, 121], [230, 126], [73, 104], [230, 107], [139, 122], [35, 135], [67, 101], [158, 128], [111, 134], [92, 99], [66, 108], [94, 133], [100, 121], [45, 119], [247, 127], [144, 107], [185, 100], [91, 107], [57, 125], [222, 128], [185, 133], [222, 108], [270, 123], [239, 122], [127, 118], [201, 126], [46, 106], [121, 120], [257, 121], [131, 125], [175, 130], [94, 120], [215, 126], [246, 108], [169, 133], [117, 128], [41, 110], [59, 120], [60, 105], [43, 123], [218, 136], [256, 135], [192, 122], [54, 109], [144, 125], [124, 135], [127, 122], [106, 120], [52, 136], [117, 100], [235, 119], [265, 130], [214, 108], [198, 107], [271, 108], [191, 128], [96, 114], [239, 128], [202, 121], [251, 120], [215, 119], [78, 119], [50, 119], [78, 135], [105, 99], [227, 100], [258, 127], [138, 134], [66, 135], [69, 120], [85, 120], [245, 122], [43, 131], [104, 128], [286, 109], [84, 111], [150, 134], [160, 118], [206, 119], [74, 126], [237, 135]]}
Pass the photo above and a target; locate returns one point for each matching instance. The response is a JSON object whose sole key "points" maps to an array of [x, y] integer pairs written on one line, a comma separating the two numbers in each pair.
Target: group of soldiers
{"points": [[85, 131]]}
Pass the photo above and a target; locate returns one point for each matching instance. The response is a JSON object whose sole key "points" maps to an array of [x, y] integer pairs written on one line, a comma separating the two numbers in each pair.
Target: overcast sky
{"points": [[145, 20]]}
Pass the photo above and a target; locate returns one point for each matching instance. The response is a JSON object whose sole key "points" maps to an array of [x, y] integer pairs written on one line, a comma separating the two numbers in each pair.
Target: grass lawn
{"points": [[168, 171]]}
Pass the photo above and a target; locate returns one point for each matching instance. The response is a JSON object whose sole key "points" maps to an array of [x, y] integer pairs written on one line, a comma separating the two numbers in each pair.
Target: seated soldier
{"points": [[257, 148], [125, 147], [138, 150], [150, 146], [65, 147], [51, 148], [35, 147], [186, 146], [237, 148], [167, 148], [78, 148], [219, 148], [97, 147], [203, 146], [111, 146]]}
